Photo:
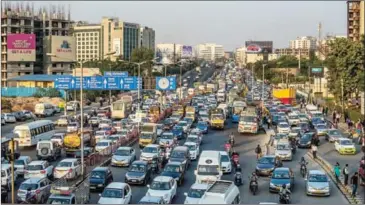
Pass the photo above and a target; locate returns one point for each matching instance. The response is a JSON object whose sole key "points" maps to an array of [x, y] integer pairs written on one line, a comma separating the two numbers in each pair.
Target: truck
{"points": [[148, 134], [221, 95], [237, 107], [248, 122], [190, 113], [217, 118], [72, 142]]}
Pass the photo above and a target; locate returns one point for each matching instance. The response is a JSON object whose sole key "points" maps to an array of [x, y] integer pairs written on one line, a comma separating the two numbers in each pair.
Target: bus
{"points": [[29, 134], [44, 110], [237, 108], [121, 108]]}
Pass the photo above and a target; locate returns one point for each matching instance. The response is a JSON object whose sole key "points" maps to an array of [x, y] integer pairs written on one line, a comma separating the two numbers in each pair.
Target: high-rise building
{"points": [[22, 40], [241, 56], [147, 38], [131, 38], [305, 42], [88, 39], [355, 19], [209, 51]]}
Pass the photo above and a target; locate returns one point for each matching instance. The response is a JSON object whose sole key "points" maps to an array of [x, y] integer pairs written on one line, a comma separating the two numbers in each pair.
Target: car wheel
{"points": [[145, 182], [42, 200]]}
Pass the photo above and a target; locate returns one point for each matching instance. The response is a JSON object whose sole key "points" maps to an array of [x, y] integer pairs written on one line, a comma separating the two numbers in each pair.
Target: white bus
{"points": [[121, 109], [29, 134], [44, 110]]}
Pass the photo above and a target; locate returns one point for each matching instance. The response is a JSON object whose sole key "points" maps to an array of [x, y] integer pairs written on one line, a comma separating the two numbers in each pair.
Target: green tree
{"points": [[143, 54]]}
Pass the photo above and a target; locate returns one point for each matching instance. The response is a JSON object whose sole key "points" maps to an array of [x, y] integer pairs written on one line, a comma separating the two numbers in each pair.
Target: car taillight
{"points": [[70, 170], [43, 172], [37, 191]]}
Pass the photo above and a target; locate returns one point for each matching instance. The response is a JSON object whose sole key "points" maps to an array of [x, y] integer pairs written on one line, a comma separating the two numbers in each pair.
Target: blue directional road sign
{"points": [[111, 83], [165, 83], [63, 83], [76, 83], [116, 74], [129, 83], [94, 83]]}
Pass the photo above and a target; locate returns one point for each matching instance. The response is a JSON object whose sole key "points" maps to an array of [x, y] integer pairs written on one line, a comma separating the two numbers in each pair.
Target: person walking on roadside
{"points": [[258, 151], [334, 116], [326, 111], [337, 171], [355, 183], [314, 151], [345, 173], [338, 117]]}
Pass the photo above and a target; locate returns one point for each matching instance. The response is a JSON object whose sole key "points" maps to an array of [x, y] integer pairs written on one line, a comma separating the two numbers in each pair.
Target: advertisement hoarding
{"points": [[317, 72], [21, 47], [86, 72], [64, 48], [116, 46], [259, 46], [187, 52]]}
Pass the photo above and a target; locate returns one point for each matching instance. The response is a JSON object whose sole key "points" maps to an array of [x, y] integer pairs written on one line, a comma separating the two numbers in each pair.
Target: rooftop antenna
{"points": [[69, 12]]}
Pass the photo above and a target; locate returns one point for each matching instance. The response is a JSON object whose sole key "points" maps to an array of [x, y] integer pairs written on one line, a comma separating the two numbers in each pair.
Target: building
{"points": [[240, 56], [302, 53], [323, 48], [243, 58], [23, 30], [131, 38], [88, 39], [169, 52], [228, 55], [147, 38], [355, 19], [268, 45], [305, 42], [209, 51]]}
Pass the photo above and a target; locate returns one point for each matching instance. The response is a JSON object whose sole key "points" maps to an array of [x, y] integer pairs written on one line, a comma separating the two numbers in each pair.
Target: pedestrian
{"points": [[334, 116], [314, 151], [338, 117], [258, 151], [345, 173], [337, 171], [268, 122], [355, 183], [346, 116], [323, 110], [267, 148], [326, 111]]}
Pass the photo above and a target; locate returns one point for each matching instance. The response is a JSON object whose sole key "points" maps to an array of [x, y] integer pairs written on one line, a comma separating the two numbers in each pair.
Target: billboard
{"points": [[259, 46], [21, 47], [87, 72], [64, 48], [116, 46], [317, 72], [187, 52]]}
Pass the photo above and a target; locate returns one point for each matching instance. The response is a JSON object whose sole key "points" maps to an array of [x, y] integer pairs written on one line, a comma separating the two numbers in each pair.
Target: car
{"points": [[195, 193], [180, 154], [185, 125], [116, 139], [194, 150], [105, 123], [178, 132], [279, 136], [139, 172], [159, 129], [321, 129], [168, 124], [306, 140], [63, 120], [28, 114], [167, 139], [303, 117], [193, 138], [317, 120], [226, 164], [163, 186], [68, 168], [293, 119], [203, 126], [151, 151], [152, 200], [304, 126], [19, 116], [283, 127], [57, 138], [283, 150], [47, 149], [73, 127], [345, 146], [100, 135], [99, 178], [295, 132], [123, 156], [333, 134], [280, 176], [9, 118], [266, 165], [104, 147], [116, 193], [317, 183], [39, 186], [38, 169], [175, 170], [21, 164], [3, 120], [6, 176]]}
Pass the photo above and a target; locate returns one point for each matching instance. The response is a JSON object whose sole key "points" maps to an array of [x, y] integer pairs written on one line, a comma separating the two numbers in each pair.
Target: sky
{"points": [[228, 23]]}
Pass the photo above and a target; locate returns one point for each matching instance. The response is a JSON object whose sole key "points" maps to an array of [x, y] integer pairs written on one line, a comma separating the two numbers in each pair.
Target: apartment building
{"points": [[355, 19], [209, 51], [147, 38], [23, 32], [302, 53], [304, 42], [240, 56]]}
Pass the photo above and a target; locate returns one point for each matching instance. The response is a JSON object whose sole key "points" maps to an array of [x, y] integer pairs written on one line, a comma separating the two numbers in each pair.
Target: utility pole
{"points": [[82, 118], [12, 170], [342, 96]]}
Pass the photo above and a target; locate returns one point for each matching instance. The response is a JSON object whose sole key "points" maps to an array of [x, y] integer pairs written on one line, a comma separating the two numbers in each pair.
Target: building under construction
{"points": [[355, 19], [44, 23]]}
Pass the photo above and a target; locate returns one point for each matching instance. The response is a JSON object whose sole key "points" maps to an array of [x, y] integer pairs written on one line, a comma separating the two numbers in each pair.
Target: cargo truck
{"points": [[217, 118], [190, 113], [148, 134], [72, 142]]}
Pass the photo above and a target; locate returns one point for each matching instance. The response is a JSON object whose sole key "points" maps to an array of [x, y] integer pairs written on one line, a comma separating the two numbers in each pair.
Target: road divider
{"points": [[346, 190]]}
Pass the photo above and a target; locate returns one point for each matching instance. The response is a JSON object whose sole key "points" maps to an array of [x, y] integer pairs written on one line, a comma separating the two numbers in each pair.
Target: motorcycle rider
{"points": [[28, 195], [231, 138], [237, 175], [228, 147], [284, 191], [253, 178]]}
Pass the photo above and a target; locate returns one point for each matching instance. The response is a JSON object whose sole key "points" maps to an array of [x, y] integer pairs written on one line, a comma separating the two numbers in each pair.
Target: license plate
{"points": [[134, 180], [92, 187]]}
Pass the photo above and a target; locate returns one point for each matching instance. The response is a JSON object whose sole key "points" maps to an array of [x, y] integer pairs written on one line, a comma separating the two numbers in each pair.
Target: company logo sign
{"points": [[253, 48], [64, 47]]}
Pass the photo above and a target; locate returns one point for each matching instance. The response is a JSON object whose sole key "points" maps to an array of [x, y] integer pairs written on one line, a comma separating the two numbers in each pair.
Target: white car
{"points": [[226, 164], [194, 150], [293, 119], [193, 138], [124, 156], [70, 168], [163, 186], [283, 127], [58, 138], [195, 193], [116, 193], [100, 135], [38, 169], [73, 127], [9, 118], [185, 126], [63, 121], [283, 150], [105, 123], [104, 147], [21, 164], [150, 151]]}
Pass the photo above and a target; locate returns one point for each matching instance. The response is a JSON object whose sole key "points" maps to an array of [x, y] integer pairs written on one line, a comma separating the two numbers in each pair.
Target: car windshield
{"points": [[345, 142], [122, 152], [196, 193], [204, 116], [282, 147], [321, 126], [167, 136], [183, 124], [283, 125], [208, 169], [172, 168], [317, 178], [19, 162], [177, 154], [267, 160], [112, 193], [293, 117], [58, 201], [35, 167], [334, 132], [202, 124], [280, 175], [26, 186], [192, 139], [65, 164], [145, 136], [102, 144], [97, 174], [224, 158], [156, 185], [150, 150], [137, 168], [307, 137]]}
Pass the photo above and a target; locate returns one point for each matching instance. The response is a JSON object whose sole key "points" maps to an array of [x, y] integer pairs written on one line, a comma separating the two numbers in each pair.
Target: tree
{"points": [[143, 54], [345, 62]]}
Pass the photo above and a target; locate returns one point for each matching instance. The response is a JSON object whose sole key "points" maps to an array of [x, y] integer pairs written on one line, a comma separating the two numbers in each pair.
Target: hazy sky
{"points": [[226, 23]]}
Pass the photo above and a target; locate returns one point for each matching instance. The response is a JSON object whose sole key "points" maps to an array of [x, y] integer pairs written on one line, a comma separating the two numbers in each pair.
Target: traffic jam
{"points": [[161, 151]]}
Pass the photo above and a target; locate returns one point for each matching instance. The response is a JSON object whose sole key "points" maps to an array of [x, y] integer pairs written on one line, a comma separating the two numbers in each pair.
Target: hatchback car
{"points": [[175, 170], [21, 164], [116, 193], [195, 193], [138, 173], [39, 186], [100, 177], [194, 150], [162, 186], [306, 140], [280, 176], [345, 146], [317, 183], [9, 118]]}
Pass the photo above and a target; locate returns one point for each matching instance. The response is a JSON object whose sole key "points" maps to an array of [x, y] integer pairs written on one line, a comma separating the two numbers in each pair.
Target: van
{"points": [[209, 167], [44, 110], [181, 154], [221, 192]]}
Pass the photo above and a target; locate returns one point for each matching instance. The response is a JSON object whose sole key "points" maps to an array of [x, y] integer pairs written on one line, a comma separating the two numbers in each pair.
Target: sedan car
{"points": [[265, 165], [203, 126], [68, 168], [104, 147], [283, 127], [345, 146], [317, 183], [321, 129], [283, 150], [306, 140], [333, 134], [116, 193], [163, 186], [280, 176], [138, 173], [175, 170], [124, 156]]}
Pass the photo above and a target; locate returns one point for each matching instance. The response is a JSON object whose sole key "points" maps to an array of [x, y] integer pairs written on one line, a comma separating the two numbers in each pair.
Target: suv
{"points": [[40, 186], [47, 149]]}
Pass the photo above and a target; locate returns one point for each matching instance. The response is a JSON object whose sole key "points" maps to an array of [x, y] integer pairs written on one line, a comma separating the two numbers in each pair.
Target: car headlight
{"points": [[288, 185], [272, 185], [166, 196], [309, 142]]}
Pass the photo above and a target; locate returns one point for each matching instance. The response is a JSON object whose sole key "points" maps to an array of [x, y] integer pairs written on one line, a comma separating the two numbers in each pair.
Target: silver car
{"points": [[124, 156], [317, 183], [39, 186], [333, 135]]}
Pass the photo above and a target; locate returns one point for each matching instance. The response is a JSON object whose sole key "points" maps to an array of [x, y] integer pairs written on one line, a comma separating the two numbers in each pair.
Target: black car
{"points": [[138, 173], [266, 165], [175, 170], [168, 124], [306, 140], [180, 154], [100, 177]]}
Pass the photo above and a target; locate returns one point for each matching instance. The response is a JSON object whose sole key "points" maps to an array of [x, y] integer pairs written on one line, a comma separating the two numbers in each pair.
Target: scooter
{"points": [[238, 178], [303, 169], [284, 198], [254, 187]]}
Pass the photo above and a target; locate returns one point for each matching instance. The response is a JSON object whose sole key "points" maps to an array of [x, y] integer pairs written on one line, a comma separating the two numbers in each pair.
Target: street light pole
{"points": [[82, 117], [110, 91], [139, 89]]}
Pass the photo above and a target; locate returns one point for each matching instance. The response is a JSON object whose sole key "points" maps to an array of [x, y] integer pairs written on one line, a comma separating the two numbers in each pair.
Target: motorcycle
{"points": [[231, 141], [303, 169], [155, 166], [284, 198], [238, 178], [254, 187]]}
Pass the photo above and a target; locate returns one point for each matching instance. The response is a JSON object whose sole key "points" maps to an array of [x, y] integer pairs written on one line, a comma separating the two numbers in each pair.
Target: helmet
{"points": [[284, 186], [29, 189]]}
